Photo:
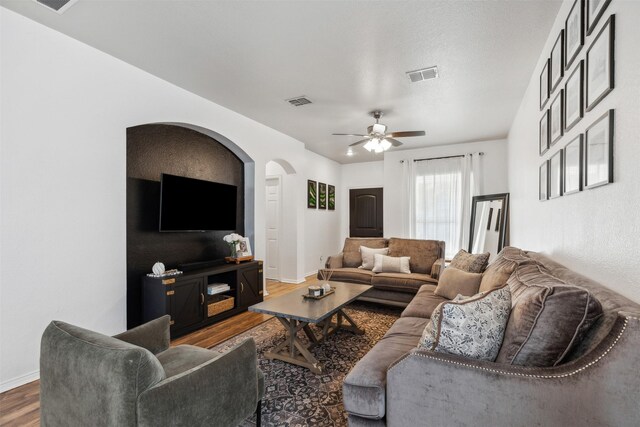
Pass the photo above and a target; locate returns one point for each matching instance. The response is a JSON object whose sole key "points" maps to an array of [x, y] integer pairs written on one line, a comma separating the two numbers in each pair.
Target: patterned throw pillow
{"points": [[389, 264], [472, 327], [473, 263], [367, 256]]}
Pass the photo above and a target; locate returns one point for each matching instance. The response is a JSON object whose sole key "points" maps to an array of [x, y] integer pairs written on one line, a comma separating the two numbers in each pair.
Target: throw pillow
{"points": [[388, 264], [472, 327], [367, 256], [453, 282], [548, 318], [473, 263], [499, 271]]}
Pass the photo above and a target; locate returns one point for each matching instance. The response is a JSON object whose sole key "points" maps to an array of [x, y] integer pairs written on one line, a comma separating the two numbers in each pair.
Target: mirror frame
{"points": [[503, 217]]}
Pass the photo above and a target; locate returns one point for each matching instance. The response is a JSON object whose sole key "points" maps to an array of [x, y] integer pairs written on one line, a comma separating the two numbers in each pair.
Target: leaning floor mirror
{"points": [[489, 219]]}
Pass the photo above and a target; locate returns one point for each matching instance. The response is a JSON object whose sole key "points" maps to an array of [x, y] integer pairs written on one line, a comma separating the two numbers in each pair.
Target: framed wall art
{"points": [[595, 9], [555, 118], [555, 175], [322, 196], [572, 168], [312, 195], [600, 63], [599, 151], [574, 32], [557, 62], [543, 133], [573, 106], [544, 85], [332, 198], [543, 181]]}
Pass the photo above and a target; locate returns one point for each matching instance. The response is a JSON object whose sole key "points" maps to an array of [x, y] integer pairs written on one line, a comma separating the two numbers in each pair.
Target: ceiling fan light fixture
{"points": [[385, 145], [372, 144]]}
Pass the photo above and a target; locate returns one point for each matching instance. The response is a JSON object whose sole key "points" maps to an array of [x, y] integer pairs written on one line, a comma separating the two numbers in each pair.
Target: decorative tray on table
{"points": [[319, 296]]}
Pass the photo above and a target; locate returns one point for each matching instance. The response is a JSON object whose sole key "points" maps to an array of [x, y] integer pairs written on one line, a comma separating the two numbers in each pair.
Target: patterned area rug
{"points": [[294, 396]]}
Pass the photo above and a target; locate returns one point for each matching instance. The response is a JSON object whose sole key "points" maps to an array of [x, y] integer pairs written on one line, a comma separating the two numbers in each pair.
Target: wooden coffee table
{"points": [[296, 313]]}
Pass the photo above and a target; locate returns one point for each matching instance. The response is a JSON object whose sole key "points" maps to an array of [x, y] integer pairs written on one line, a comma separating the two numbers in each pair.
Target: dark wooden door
{"points": [[250, 287], [365, 212], [186, 305]]}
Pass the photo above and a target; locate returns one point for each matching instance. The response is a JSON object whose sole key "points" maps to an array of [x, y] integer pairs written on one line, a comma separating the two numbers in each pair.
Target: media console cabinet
{"points": [[185, 299]]}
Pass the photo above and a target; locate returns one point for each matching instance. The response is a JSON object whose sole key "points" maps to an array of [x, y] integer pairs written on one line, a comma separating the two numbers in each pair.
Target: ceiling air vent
{"points": [[59, 6], [298, 101], [423, 74]]}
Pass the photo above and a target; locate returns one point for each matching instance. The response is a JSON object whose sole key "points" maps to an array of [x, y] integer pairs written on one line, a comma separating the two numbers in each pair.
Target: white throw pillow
{"points": [[367, 256], [472, 327], [389, 264]]}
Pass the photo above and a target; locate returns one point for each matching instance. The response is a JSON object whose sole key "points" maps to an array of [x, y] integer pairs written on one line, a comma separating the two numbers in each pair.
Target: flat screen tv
{"points": [[188, 204]]}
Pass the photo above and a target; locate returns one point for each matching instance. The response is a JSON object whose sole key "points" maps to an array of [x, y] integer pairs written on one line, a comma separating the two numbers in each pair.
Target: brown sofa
{"points": [[426, 260], [595, 384]]}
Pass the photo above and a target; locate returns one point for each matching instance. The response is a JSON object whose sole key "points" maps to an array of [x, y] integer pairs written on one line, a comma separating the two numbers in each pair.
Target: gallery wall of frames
{"points": [[321, 195], [578, 74]]}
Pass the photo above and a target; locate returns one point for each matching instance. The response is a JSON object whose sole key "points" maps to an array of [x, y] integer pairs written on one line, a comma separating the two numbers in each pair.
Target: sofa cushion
{"points": [[423, 253], [473, 263], [548, 318], [177, 360], [497, 273], [351, 275], [364, 389], [367, 255], [351, 252], [455, 282], [423, 304], [389, 264], [401, 282], [472, 327]]}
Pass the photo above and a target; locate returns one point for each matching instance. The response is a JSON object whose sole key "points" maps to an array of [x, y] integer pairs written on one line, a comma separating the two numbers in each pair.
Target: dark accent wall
{"points": [[156, 149]]}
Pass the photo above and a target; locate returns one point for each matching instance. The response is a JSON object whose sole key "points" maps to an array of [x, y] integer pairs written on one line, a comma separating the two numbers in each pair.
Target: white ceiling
{"points": [[348, 57]]}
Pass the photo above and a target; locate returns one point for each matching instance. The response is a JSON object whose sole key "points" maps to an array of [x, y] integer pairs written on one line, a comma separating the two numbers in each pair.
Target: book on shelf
{"points": [[217, 288]]}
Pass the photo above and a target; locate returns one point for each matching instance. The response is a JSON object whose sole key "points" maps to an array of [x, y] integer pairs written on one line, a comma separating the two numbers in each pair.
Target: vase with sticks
{"points": [[325, 276]]}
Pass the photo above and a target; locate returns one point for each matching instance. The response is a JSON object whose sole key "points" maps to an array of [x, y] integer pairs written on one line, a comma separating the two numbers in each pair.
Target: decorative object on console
{"points": [[322, 195], [454, 282], [599, 151], [572, 169], [473, 327], [472, 263], [557, 62], [368, 256], [233, 240], [158, 268], [332, 198], [555, 175], [555, 118], [573, 106], [244, 248], [312, 200], [543, 181], [574, 32], [595, 9], [388, 264], [600, 65], [172, 272], [543, 131]]}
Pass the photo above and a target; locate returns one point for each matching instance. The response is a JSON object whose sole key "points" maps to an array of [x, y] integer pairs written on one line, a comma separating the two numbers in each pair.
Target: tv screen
{"points": [[188, 204]]}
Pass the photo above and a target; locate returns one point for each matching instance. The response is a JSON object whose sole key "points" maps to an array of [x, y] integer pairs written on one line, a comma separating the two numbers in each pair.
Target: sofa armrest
{"points": [[600, 388], [220, 392], [334, 261], [437, 268], [153, 335]]}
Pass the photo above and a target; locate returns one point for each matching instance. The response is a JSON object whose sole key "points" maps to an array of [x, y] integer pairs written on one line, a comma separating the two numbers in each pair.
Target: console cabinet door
{"points": [[186, 305], [249, 287]]}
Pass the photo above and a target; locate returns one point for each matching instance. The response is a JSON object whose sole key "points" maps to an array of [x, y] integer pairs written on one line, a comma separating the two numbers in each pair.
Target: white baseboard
{"points": [[18, 381], [295, 282], [313, 273]]}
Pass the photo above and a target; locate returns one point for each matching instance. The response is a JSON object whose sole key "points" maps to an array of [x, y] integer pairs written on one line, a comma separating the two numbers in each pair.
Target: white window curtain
{"points": [[440, 206]]}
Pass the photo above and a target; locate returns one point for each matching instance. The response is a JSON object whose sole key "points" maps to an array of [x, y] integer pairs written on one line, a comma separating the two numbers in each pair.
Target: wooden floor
{"points": [[21, 406]]}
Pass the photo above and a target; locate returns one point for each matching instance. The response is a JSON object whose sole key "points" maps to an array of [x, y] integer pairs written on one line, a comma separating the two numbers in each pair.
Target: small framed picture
{"points": [[543, 137], [322, 196], [555, 175], [544, 84], [543, 181], [555, 118], [243, 248], [557, 62], [595, 9], [600, 63], [312, 195], [573, 110], [332, 198], [572, 170], [574, 32], [599, 151]]}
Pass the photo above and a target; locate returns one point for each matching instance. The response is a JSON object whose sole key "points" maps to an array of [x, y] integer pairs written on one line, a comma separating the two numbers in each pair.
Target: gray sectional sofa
{"points": [[595, 384]]}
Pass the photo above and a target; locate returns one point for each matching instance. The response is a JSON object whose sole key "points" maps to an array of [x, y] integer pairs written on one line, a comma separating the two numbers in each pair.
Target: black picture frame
{"points": [[557, 62], [543, 133], [573, 33], [601, 62], [312, 194], [331, 198], [543, 181], [322, 195], [555, 175], [572, 169], [544, 84], [574, 97], [595, 9], [556, 115], [598, 151]]}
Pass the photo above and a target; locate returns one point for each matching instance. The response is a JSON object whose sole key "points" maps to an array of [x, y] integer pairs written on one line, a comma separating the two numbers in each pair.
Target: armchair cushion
{"points": [[153, 335], [177, 360]]}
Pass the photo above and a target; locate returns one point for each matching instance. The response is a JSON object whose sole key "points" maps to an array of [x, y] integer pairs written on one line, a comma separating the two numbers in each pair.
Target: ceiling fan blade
{"points": [[406, 133], [393, 142], [359, 142], [348, 134]]}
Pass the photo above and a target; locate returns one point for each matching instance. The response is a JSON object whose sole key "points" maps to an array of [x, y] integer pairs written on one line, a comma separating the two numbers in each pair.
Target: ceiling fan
{"points": [[377, 140]]}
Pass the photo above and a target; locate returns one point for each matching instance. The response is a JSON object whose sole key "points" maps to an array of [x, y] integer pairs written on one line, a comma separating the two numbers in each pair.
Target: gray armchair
{"points": [[135, 379]]}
